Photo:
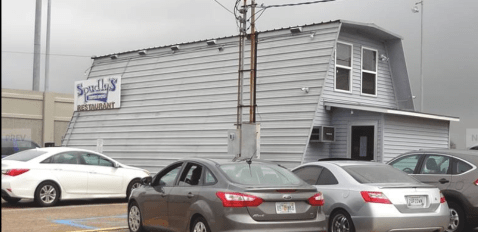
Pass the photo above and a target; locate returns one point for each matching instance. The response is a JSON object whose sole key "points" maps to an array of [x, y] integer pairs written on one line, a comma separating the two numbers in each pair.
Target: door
{"points": [[363, 142], [72, 176], [435, 170], [155, 204], [183, 195], [103, 177]]}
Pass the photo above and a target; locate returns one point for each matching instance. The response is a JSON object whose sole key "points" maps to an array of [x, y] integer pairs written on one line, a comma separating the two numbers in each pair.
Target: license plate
{"points": [[416, 201], [285, 207]]}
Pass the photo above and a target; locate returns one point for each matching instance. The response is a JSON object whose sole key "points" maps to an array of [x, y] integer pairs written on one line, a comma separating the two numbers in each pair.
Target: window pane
{"points": [[378, 174], [462, 167], [344, 55], [369, 61], [342, 79], [368, 83], [309, 174], [435, 164], [191, 175], [64, 158], [91, 159], [210, 179], [406, 164], [260, 174], [105, 162], [168, 179], [327, 178]]}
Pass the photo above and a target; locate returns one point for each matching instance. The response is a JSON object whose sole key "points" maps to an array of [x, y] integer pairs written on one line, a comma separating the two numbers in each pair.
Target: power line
{"points": [[44, 54], [224, 7], [295, 4]]}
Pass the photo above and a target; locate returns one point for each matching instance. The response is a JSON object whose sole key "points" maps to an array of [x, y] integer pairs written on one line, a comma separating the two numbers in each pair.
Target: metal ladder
{"points": [[69, 130]]}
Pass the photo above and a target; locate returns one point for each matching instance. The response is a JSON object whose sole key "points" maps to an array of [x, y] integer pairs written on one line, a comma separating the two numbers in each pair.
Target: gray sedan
{"points": [[202, 195], [368, 196]]}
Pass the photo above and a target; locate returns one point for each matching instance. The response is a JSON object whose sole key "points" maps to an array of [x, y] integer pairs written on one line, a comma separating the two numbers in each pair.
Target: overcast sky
{"points": [[84, 28]]}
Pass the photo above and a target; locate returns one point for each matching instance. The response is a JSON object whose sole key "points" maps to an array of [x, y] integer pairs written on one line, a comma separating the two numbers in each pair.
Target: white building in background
{"points": [[331, 89]]}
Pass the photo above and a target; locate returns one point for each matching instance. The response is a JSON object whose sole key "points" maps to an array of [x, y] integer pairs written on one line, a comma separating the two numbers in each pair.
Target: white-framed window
{"points": [[343, 67], [369, 71]]}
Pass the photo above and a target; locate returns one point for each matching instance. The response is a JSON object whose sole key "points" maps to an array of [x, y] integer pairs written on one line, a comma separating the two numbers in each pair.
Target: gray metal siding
{"points": [[385, 89], [181, 105], [342, 119], [403, 134]]}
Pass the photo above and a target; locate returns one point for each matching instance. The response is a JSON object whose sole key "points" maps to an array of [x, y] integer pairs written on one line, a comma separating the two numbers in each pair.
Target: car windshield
{"points": [[260, 174], [378, 174], [25, 155]]}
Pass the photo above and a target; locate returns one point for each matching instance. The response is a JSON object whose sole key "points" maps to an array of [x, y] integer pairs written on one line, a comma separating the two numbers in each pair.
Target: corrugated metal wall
{"points": [[385, 91], [181, 105], [403, 134]]}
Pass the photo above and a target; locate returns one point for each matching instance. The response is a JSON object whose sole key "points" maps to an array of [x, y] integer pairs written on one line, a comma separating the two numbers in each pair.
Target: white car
{"points": [[48, 175]]}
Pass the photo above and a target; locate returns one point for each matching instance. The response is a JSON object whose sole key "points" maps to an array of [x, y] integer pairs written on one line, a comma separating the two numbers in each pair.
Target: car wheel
{"points": [[341, 222], [135, 223], [11, 200], [457, 218], [132, 185], [47, 194], [200, 225]]}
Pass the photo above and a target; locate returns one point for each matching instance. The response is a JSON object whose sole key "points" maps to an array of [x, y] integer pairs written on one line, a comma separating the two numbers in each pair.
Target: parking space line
{"points": [[104, 229], [77, 222], [71, 223]]}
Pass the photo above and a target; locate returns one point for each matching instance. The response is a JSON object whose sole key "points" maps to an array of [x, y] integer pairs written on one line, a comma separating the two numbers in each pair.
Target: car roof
{"points": [[343, 163], [225, 161], [469, 155]]}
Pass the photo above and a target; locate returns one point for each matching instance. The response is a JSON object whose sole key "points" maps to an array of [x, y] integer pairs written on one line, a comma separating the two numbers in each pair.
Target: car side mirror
{"points": [[117, 165], [147, 180]]}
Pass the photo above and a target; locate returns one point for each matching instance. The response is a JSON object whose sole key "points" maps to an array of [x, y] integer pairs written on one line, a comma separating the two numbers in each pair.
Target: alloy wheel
{"points": [[200, 227], [48, 194], [340, 224], [454, 220], [134, 218]]}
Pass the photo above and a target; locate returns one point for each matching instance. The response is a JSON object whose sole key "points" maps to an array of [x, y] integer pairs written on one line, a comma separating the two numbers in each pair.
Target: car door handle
{"points": [[190, 195], [443, 181]]}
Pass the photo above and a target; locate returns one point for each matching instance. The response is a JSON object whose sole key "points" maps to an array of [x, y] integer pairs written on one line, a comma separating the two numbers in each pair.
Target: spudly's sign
{"points": [[98, 94]]}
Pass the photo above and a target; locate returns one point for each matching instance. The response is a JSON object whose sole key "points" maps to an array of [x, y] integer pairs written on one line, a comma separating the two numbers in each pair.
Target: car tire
{"points": [[11, 200], [200, 225], [341, 221], [47, 194], [135, 222], [457, 218], [132, 185]]}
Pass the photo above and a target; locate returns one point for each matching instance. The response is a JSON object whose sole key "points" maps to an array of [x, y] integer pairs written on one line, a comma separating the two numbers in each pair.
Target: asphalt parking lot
{"points": [[93, 215], [70, 216]]}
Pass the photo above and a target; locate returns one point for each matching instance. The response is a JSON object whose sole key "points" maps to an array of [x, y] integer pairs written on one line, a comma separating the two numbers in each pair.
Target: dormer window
{"points": [[343, 67], [369, 71]]}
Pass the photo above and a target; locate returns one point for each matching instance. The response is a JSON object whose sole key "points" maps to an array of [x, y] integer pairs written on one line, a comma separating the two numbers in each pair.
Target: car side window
{"points": [[91, 159], [209, 179], [64, 158], [310, 174], [327, 178], [407, 163], [191, 175], [167, 179], [436, 164], [460, 167]]}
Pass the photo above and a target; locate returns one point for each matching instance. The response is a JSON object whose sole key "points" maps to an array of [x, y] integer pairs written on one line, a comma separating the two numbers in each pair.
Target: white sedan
{"points": [[48, 175]]}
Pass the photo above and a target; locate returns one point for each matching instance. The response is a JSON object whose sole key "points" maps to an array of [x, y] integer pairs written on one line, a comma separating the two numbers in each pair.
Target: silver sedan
{"points": [[368, 196]]}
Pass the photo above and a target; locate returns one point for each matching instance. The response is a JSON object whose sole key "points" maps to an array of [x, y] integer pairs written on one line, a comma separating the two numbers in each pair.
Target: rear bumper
{"points": [[19, 187], [402, 222], [244, 223]]}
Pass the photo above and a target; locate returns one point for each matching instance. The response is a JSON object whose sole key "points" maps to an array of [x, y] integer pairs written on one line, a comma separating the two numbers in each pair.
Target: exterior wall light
{"points": [[115, 56], [383, 57], [211, 42], [296, 30], [175, 47], [305, 89], [142, 52]]}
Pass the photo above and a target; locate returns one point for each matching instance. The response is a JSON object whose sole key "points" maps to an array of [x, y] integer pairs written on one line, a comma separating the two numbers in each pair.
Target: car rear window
{"points": [[378, 174], [25, 155], [260, 174]]}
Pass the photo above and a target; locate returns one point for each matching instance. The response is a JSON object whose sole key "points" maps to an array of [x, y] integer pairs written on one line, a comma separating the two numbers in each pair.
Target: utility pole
{"points": [[47, 56], [252, 104], [37, 47]]}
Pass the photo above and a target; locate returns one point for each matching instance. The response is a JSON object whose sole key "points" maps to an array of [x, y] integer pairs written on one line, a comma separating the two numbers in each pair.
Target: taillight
{"points": [[375, 197], [317, 200], [442, 198], [238, 200], [476, 182], [16, 172]]}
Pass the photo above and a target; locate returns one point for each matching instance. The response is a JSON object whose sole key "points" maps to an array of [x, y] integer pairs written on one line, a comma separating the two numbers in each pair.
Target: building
{"points": [[331, 89], [36, 116]]}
